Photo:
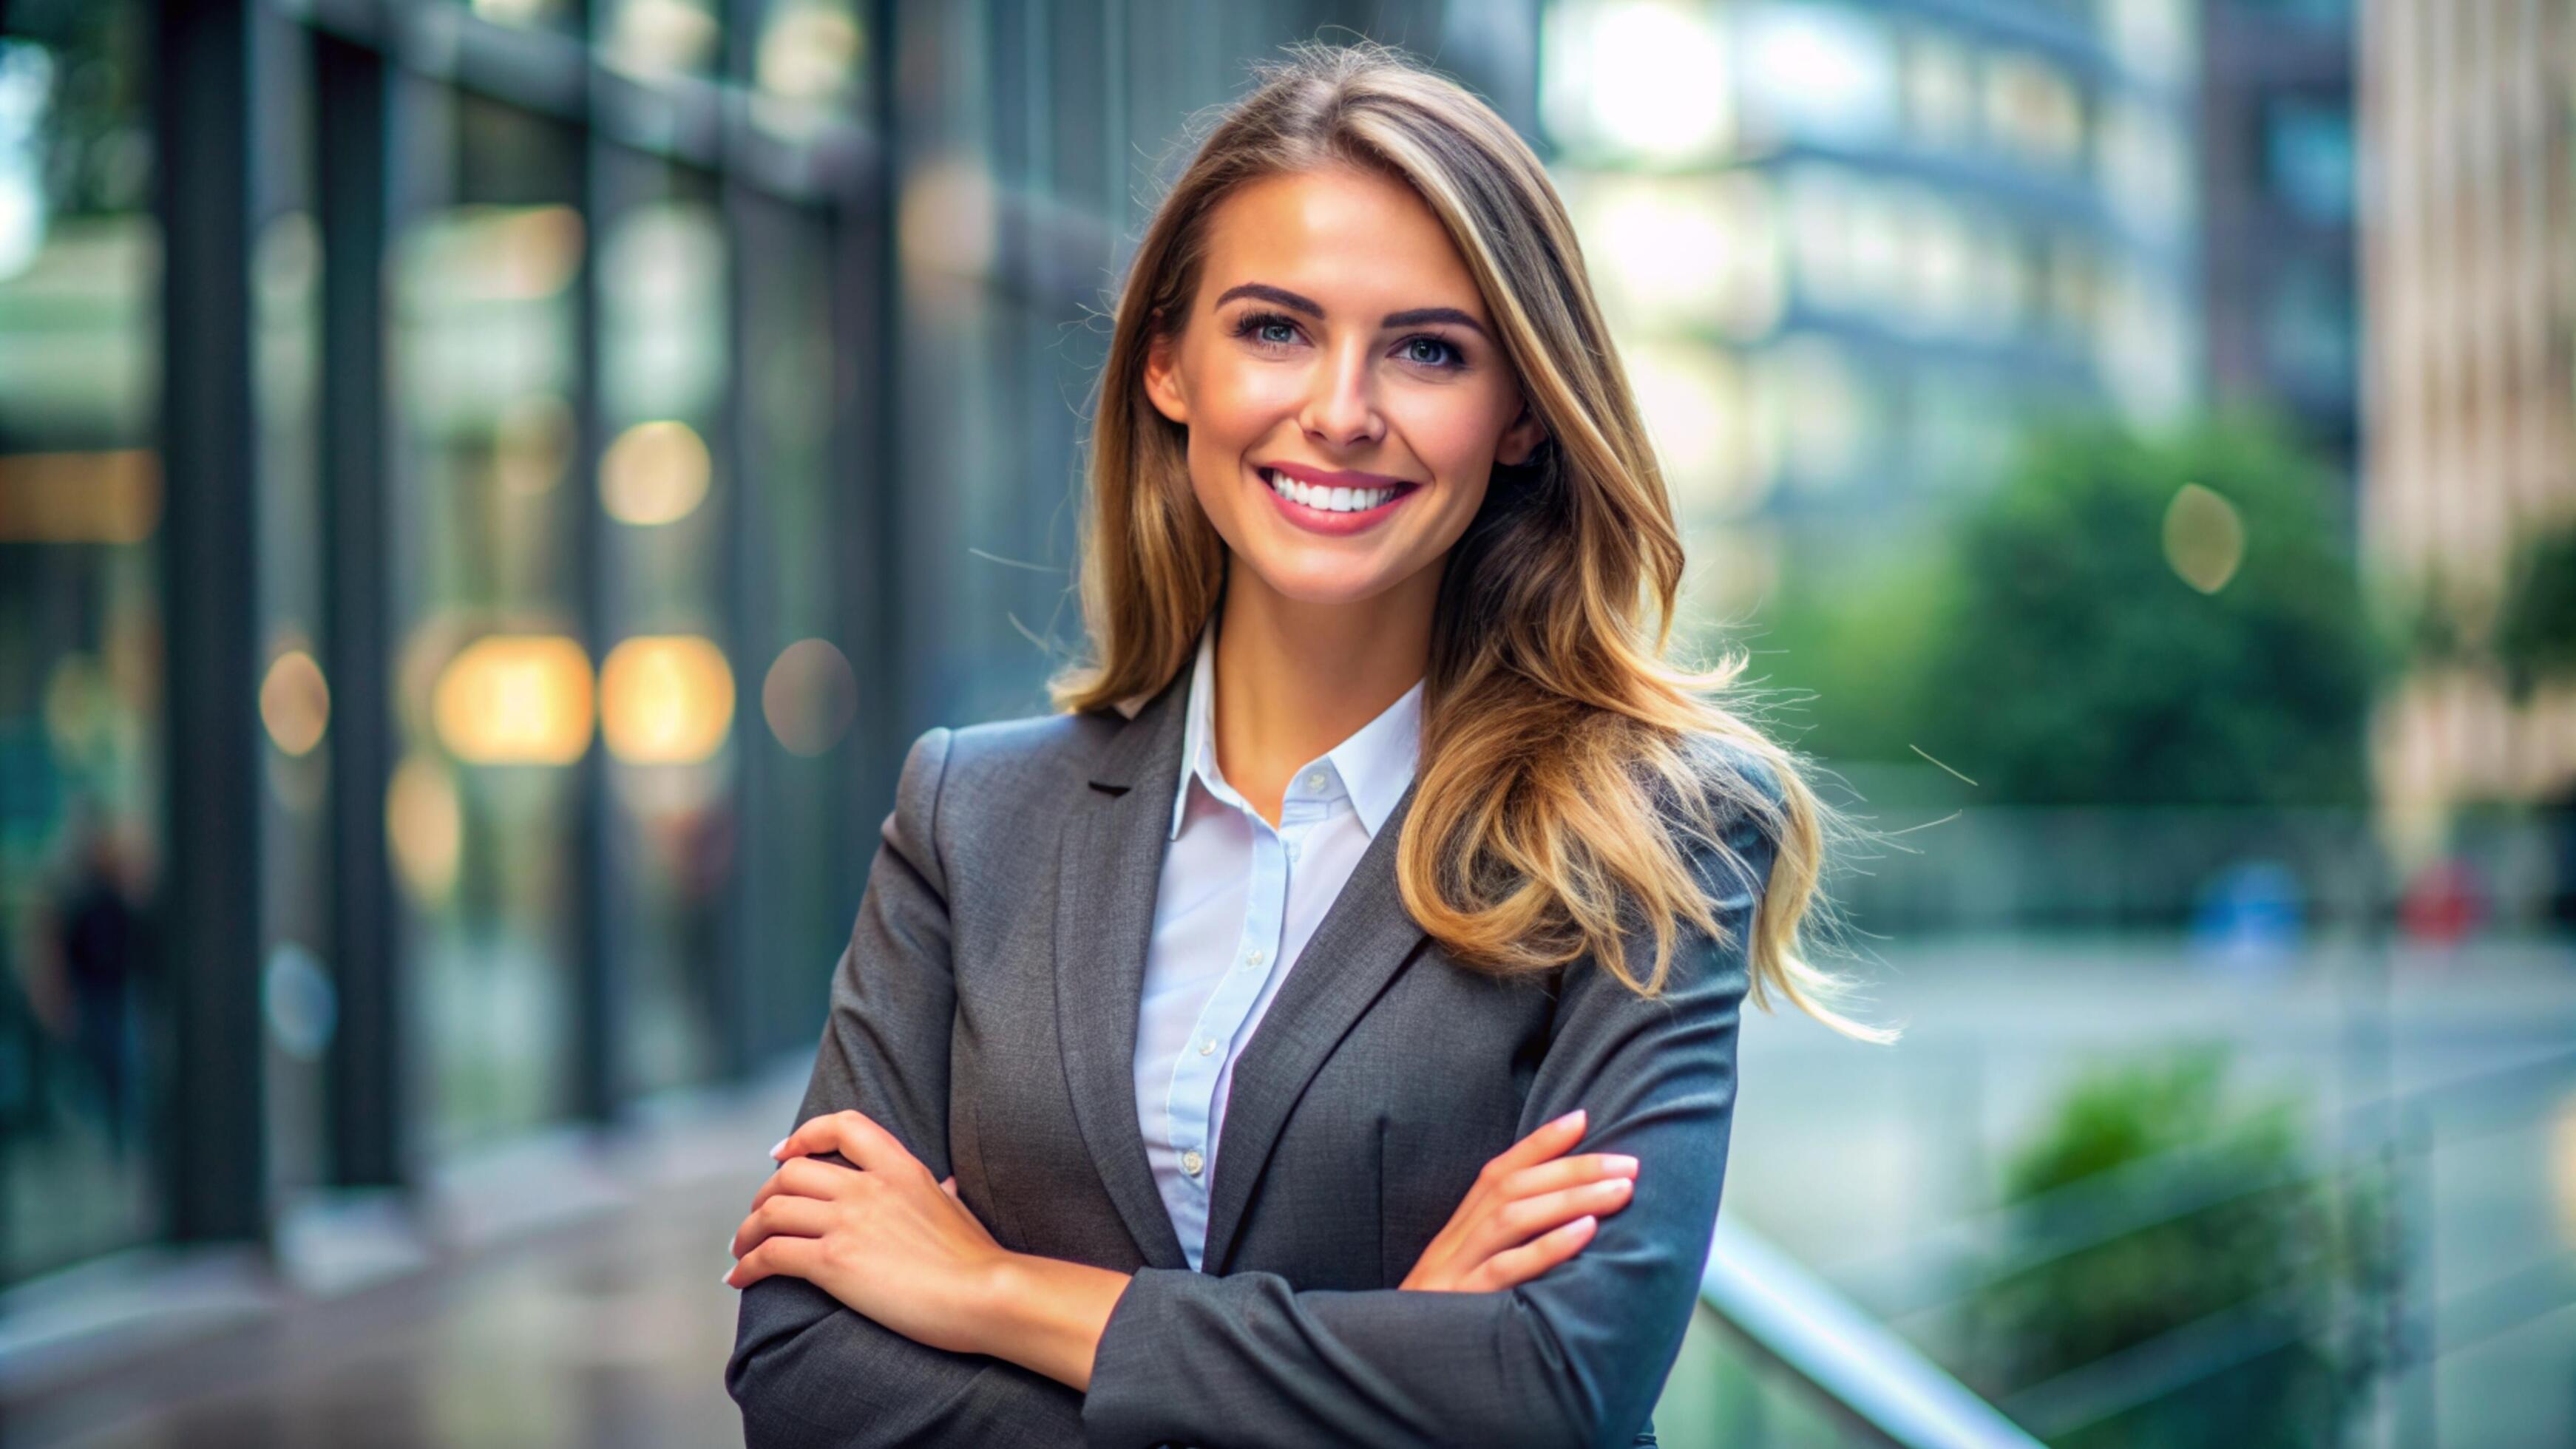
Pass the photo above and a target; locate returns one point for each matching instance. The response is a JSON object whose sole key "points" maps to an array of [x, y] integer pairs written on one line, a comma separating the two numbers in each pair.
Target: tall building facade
{"points": [[487, 490], [1851, 247], [2277, 221], [2469, 267]]}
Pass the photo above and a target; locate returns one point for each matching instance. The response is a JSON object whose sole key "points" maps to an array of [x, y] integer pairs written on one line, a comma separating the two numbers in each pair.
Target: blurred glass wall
{"points": [[610, 431]]}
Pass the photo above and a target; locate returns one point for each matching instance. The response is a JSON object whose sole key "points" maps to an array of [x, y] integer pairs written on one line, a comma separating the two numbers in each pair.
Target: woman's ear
{"points": [[1521, 439], [1163, 381]]}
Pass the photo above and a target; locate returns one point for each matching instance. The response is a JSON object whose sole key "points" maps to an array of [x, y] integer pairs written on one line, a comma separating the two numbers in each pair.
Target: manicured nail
{"points": [[781, 1147], [727, 1280], [1620, 1165], [1581, 1224], [1574, 1116]]}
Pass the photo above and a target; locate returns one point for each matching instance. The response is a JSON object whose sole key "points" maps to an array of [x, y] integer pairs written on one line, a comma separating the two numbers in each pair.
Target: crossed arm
{"points": [[1577, 1355]]}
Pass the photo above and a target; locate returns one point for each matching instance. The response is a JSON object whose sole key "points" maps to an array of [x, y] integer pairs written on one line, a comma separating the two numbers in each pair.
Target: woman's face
{"points": [[1338, 345]]}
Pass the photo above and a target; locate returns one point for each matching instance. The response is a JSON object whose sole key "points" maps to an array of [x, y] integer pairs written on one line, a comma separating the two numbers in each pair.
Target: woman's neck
{"points": [[1294, 679]]}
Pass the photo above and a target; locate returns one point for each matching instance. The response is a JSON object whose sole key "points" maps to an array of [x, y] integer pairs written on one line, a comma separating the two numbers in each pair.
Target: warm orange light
{"points": [[424, 828], [810, 696], [655, 472], [106, 497], [515, 699], [295, 702], [665, 699]]}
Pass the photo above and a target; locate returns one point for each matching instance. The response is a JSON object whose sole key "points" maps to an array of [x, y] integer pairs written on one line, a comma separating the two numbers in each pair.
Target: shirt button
{"points": [[1255, 959], [1207, 1046], [1315, 780], [1190, 1162]]}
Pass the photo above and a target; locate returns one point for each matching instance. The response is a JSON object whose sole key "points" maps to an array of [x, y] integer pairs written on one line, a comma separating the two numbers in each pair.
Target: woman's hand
{"points": [[1488, 1245], [886, 1240]]}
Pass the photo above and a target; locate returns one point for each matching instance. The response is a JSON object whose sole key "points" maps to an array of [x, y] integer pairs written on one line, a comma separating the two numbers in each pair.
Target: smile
{"points": [[1333, 510]]}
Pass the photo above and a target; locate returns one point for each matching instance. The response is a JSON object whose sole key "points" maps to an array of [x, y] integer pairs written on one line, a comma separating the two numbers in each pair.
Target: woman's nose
{"points": [[1341, 405]]}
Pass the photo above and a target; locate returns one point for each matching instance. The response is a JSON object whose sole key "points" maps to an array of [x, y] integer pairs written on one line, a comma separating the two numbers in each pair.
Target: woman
{"points": [[1377, 848]]}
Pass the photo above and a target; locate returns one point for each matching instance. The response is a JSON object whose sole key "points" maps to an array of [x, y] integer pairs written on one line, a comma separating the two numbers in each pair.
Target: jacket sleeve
{"points": [[1578, 1355], [806, 1370]]}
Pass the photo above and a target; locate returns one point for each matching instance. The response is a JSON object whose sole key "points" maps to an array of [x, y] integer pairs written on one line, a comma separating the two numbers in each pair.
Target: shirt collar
{"points": [[1376, 763]]}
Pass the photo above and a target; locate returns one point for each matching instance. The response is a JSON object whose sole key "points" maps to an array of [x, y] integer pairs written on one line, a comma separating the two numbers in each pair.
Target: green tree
{"points": [[2154, 620], [2536, 633]]}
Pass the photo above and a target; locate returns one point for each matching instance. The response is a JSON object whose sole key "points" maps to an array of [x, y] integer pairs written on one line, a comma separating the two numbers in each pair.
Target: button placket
{"points": [[1194, 1080]]}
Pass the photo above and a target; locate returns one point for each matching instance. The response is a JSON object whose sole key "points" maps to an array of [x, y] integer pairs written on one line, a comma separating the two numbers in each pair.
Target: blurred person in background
{"points": [[1379, 574], [98, 946]]}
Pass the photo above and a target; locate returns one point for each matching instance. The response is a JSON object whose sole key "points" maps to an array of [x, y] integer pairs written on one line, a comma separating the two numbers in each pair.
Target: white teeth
{"points": [[1327, 500]]}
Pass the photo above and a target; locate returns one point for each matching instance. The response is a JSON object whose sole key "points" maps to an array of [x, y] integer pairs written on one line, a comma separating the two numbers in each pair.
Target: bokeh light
{"points": [[665, 699], [809, 697], [425, 827], [2204, 538], [515, 700], [655, 472], [295, 702]]}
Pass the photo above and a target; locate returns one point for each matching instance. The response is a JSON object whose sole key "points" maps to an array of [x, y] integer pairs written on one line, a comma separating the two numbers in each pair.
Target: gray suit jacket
{"points": [[985, 1012]]}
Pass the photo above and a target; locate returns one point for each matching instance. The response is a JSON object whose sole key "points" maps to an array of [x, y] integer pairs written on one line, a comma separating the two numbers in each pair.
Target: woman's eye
{"points": [[1443, 354]]}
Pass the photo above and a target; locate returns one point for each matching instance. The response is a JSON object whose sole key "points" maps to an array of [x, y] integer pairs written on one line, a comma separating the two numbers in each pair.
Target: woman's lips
{"points": [[1327, 521]]}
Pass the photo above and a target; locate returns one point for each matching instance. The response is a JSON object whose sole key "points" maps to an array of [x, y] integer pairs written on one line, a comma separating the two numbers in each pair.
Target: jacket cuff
{"points": [[1130, 1397]]}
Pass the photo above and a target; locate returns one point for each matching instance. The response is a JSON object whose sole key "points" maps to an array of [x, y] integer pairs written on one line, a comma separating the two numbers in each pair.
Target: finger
{"points": [[1518, 1222], [775, 1257], [856, 1136], [1519, 1265], [789, 1217], [948, 1185], [805, 1177], [1544, 1141], [1567, 1172]]}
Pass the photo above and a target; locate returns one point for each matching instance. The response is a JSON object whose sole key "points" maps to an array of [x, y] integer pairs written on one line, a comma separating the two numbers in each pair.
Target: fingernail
{"points": [[1583, 1222], [781, 1147], [1574, 1116], [727, 1279], [1620, 1164]]}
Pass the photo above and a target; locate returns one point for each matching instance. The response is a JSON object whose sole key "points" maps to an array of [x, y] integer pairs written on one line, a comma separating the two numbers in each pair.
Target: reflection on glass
{"points": [[666, 690], [810, 697], [294, 702], [665, 700], [80, 635], [801, 862], [652, 38], [493, 690], [806, 65], [515, 700], [1635, 78], [523, 12], [655, 472]]}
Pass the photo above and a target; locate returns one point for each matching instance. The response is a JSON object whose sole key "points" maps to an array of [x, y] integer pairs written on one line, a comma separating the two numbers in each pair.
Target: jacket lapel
{"points": [[1109, 868], [1109, 865], [1365, 938]]}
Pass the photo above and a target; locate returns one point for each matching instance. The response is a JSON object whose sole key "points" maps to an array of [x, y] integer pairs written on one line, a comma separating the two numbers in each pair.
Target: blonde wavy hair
{"points": [[1565, 762]]}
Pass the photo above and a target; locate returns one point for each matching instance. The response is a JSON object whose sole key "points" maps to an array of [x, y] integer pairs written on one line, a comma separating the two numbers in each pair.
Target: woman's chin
{"points": [[1309, 579]]}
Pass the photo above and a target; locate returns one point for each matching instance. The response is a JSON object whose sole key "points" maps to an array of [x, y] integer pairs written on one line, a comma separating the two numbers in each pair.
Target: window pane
{"points": [[80, 632], [493, 688]]}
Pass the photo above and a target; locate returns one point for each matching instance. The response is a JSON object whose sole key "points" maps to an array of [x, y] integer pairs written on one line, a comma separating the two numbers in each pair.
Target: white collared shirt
{"points": [[1236, 904]]}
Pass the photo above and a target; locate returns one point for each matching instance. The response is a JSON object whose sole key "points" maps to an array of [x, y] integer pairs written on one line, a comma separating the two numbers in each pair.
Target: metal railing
{"points": [[1847, 1361]]}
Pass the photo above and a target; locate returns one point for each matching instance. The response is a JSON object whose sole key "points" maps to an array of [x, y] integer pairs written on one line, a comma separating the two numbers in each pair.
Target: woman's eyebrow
{"points": [[1418, 317]]}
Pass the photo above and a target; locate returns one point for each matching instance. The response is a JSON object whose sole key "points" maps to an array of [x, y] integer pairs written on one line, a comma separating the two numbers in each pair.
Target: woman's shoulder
{"points": [[1003, 759]]}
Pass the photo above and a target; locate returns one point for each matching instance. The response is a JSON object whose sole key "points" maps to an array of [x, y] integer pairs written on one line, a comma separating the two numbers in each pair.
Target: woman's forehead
{"points": [[1351, 241]]}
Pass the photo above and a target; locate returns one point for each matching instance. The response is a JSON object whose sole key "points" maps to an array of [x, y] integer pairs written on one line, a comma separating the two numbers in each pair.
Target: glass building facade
{"points": [[1852, 249], [486, 491]]}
